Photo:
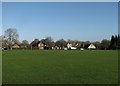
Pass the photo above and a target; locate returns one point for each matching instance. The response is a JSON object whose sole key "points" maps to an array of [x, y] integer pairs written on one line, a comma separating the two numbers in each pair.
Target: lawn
{"points": [[60, 67]]}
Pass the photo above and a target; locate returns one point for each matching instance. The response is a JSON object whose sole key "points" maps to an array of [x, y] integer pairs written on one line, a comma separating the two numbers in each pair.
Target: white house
{"points": [[41, 46], [92, 46], [73, 48], [69, 46]]}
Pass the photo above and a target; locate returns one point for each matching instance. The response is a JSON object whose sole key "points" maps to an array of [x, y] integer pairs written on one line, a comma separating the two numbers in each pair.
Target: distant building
{"points": [[69, 46], [73, 48], [15, 46], [41, 46], [91, 46]]}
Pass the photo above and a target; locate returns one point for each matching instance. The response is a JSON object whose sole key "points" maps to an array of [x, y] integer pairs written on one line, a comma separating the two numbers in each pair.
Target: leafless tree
{"points": [[11, 36]]}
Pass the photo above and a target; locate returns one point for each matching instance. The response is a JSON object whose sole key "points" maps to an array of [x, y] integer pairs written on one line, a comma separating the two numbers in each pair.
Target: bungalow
{"points": [[15, 46]]}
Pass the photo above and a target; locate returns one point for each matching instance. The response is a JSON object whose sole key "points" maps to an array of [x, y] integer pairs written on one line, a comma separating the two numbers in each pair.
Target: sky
{"points": [[60, 0], [83, 21]]}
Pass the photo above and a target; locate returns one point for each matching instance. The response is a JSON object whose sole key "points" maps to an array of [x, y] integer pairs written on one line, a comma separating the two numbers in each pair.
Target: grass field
{"points": [[60, 67]]}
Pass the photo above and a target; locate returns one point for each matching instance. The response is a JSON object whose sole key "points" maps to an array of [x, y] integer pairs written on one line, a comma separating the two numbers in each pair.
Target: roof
{"points": [[92, 46]]}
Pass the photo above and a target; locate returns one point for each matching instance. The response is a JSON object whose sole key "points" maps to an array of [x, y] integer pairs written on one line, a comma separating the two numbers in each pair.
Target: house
{"points": [[69, 46], [91, 46], [15, 46], [73, 48], [41, 46], [55, 48]]}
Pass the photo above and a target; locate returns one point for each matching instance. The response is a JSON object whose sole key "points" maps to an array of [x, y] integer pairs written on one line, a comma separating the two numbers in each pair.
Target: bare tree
{"points": [[48, 41], [11, 36], [61, 43]]}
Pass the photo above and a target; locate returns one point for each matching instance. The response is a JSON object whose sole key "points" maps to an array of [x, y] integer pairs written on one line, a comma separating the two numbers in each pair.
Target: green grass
{"points": [[60, 67]]}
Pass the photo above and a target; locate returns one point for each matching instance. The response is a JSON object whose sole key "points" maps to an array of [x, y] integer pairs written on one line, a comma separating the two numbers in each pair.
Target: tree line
{"points": [[11, 35]]}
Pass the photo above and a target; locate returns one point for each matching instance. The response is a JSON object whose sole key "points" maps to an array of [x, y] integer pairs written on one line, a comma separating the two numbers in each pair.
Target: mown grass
{"points": [[60, 67]]}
